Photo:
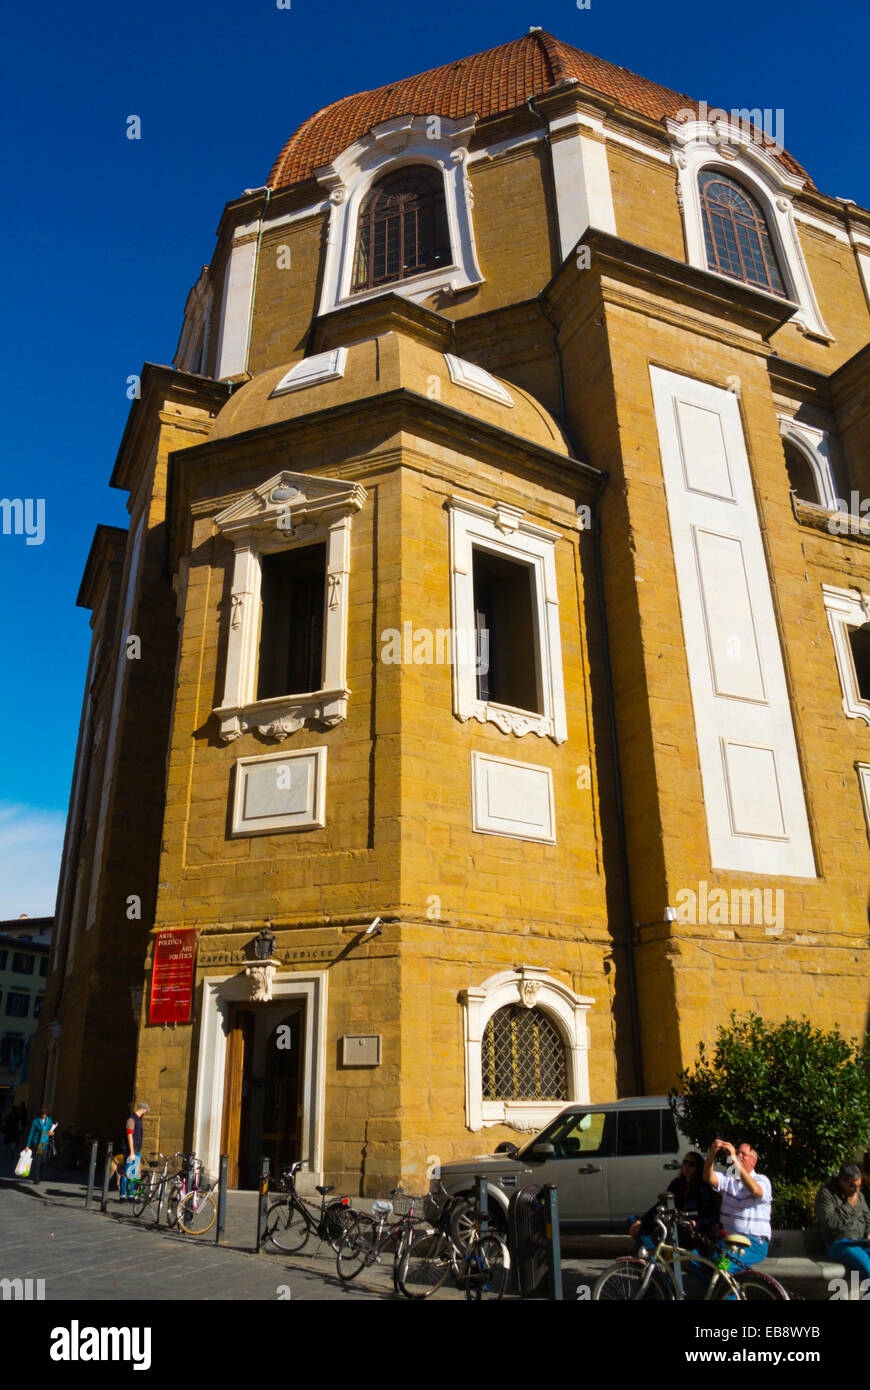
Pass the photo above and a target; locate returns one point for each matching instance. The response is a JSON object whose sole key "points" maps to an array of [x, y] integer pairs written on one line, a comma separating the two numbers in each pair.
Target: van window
{"points": [[580, 1132], [638, 1133]]}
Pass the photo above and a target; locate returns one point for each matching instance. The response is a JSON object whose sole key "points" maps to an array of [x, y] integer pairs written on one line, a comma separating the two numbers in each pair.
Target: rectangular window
{"points": [[4, 956], [22, 963], [12, 1050], [859, 642], [37, 1005], [293, 596], [43, 966], [17, 1005], [503, 610], [638, 1133], [670, 1139]]}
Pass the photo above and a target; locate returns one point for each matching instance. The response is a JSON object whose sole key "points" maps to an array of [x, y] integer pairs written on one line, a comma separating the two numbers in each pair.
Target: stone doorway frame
{"points": [[218, 992]]}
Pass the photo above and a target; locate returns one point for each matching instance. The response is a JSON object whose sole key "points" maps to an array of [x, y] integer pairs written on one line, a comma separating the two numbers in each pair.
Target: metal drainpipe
{"points": [[256, 269], [627, 941], [546, 126]]}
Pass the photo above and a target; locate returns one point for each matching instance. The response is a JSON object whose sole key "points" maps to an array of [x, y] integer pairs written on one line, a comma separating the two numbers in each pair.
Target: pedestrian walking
{"points": [[38, 1142], [132, 1150]]}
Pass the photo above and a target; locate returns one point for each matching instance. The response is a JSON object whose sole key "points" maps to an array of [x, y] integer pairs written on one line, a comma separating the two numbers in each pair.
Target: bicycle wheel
{"points": [[425, 1265], [488, 1270], [358, 1248], [339, 1222], [623, 1281], [464, 1222], [197, 1213], [142, 1197], [756, 1287], [287, 1226], [172, 1201]]}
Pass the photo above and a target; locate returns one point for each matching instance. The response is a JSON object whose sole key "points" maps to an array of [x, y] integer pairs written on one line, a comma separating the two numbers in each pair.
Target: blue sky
{"points": [[103, 237]]}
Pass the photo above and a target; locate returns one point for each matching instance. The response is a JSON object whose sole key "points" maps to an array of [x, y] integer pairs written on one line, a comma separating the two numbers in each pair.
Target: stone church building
{"points": [[483, 682]]}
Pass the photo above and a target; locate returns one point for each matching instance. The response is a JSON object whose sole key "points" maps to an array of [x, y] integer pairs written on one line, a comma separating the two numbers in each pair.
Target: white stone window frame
{"points": [[724, 147], [435, 141], [317, 509], [502, 531], [815, 446], [192, 351], [534, 987], [847, 608]]}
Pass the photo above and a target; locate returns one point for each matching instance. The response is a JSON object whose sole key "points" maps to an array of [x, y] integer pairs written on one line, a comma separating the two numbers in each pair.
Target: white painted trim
{"points": [[314, 509], [238, 295], [475, 378], [581, 177], [751, 777], [501, 529], [313, 819], [404, 140], [816, 447], [536, 988], [698, 145], [312, 371], [847, 608], [830, 228], [218, 991]]}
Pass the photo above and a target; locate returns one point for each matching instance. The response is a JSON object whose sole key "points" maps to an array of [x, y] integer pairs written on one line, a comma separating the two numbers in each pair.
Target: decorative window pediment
{"points": [[535, 989], [287, 512], [727, 148], [434, 142]]}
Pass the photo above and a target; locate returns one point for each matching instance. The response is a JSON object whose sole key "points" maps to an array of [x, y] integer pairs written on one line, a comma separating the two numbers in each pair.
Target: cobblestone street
{"points": [[113, 1256]]}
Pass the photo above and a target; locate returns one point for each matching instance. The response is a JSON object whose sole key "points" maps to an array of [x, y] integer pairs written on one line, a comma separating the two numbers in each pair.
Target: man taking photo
{"points": [[746, 1197]]}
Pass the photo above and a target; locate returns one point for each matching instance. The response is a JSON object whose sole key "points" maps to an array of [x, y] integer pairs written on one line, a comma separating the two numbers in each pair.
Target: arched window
{"points": [[736, 235], [523, 1056], [402, 228], [800, 474]]}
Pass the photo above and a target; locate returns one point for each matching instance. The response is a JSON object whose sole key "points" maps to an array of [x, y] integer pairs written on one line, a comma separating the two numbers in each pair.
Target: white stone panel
{"points": [[512, 798], [735, 663]]}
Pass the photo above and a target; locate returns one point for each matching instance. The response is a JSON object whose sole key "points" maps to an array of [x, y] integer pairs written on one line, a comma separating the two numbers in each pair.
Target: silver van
{"points": [[608, 1161]]}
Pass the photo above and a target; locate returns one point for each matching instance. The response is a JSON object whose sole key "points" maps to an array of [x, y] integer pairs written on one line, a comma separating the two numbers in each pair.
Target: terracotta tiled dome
{"points": [[486, 84]]}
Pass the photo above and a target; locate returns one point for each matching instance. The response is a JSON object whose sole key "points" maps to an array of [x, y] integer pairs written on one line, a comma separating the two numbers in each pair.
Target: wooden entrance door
{"points": [[263, 1090], [281, 1133], [237, 1085]]}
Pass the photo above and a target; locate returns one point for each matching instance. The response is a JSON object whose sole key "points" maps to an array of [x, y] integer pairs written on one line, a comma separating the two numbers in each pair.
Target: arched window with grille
{"points": [[736, 235], [402, 228], [523, 1056]]}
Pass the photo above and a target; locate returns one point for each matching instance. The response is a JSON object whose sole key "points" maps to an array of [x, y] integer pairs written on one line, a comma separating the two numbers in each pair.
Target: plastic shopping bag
{"points": [[22, 1167]]}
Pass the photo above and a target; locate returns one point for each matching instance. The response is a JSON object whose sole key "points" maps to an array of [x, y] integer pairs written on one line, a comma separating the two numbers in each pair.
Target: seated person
{"points": [[691, 1195], [844, 1219]]}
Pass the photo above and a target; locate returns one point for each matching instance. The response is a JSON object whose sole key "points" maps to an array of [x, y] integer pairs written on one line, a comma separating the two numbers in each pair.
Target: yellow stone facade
{"points": [[573, 347]]}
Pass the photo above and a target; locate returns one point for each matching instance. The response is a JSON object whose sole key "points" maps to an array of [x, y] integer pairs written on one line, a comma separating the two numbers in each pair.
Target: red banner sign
{"points": [[172, 977]]}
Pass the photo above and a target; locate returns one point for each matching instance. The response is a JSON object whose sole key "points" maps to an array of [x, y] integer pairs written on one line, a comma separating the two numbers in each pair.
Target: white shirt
{"points": [[742, 1213]]}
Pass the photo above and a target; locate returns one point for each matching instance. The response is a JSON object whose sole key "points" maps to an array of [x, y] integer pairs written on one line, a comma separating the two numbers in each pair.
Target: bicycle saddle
{"points": [[323, 1190], [731, 1238], [382, 1208]]}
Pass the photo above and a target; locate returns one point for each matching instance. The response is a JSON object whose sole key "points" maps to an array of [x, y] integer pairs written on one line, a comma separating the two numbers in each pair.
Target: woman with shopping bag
{"points": [[37, 1141]]}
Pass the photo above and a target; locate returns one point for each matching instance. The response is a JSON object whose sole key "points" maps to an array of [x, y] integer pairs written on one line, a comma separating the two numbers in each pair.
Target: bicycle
{"points": [[363, 1246], [659, 1276], [480, 1264], [197, 1210], [290, 1220], [150, 1189]]}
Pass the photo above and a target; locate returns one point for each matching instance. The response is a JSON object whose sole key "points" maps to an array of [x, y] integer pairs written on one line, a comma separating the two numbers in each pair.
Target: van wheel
{"points": [[463, 1221]]}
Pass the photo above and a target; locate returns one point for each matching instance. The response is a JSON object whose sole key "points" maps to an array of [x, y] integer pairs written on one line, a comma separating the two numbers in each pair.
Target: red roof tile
{"points": [[485, 84]]}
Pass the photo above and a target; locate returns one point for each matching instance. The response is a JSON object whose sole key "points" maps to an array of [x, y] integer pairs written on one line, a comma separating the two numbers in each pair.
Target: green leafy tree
{"points": [[801, 1096]]}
